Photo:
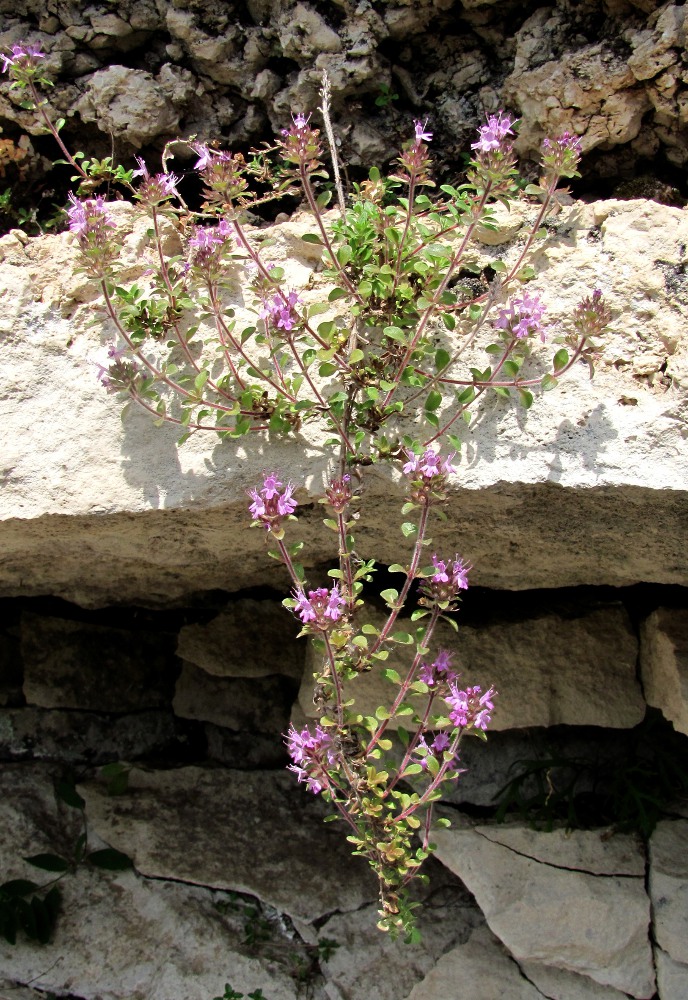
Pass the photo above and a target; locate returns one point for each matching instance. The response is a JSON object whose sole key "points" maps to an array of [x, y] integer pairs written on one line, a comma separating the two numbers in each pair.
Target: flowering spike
{"points": [[270, 506]]}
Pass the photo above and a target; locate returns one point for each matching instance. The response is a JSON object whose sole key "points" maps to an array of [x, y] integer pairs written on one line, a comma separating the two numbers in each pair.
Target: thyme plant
{"points": [[378, 362]]}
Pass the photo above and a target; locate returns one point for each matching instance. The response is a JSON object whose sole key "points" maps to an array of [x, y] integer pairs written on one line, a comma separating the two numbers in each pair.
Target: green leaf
{"points": [[442, 358], [402, 637], [412, 769], [395, 333], [433, 401], [324, 199], [561, 359], [356, 356], [18, 887], [408, 528], [512, 368], [525, 398], [391, 675], [67, 793], [548, 382], [370, 630], [48, 862], [337, 293], [109, 859], [312, 238], [390, 596]]}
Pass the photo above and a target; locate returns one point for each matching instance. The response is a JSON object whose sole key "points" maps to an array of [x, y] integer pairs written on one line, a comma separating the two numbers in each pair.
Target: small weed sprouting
{"points": [[34, 909], [629, 790], [390, 356]]}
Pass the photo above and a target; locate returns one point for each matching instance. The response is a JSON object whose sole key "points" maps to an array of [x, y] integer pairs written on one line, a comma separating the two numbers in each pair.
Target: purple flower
{"points": [[421, 134], [312, 754], [523, 317], [322, 606], [280, 311], [23, 56], [441, 743], [471, 708], [154, 189], [492, 135], [270, 506], [561, 156], [439, 671], [430, 465]]}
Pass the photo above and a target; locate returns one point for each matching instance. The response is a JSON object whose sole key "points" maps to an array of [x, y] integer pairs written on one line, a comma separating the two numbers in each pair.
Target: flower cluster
{"points": [[445, 584], [492, 136], [91, 223], [561, 156], [270, 506], [428, 473], [280, 311], [312, 755], [591, 315], [121, 374], [300, 144], [470, 709], [23, 64], [321, 609], [414, 158], [439, 746], [222, 173], [154, 189], [523, 317], [429, 466], [339, 494], [439, 671], [207, 246]]}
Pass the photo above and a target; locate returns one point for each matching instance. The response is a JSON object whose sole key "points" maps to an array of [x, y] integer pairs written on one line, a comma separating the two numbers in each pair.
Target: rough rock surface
{"points": [[141, 940], [227, 646], [588, 485], [610, 71], [254, 832], [669, 887], [259, 704], [672, 977], [543, 668], [91, 667], [664, 664], [578, 906]]}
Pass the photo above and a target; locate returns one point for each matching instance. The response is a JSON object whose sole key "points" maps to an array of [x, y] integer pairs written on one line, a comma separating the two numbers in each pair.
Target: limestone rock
{"points": [[672, 977], [260, 704], [590, 484], [481, 960], [248, 639], [118, 937], [69, 664], [368, 964], [75, 737], [669, 887], [130, 104], [664, 664], [594, 925], [545, 670], [255, 832], [558, 984]]}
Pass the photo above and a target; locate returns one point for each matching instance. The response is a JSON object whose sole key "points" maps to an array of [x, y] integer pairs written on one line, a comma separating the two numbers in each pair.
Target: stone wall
{"points": [[152, 70], [128, 634], [140, 620]]}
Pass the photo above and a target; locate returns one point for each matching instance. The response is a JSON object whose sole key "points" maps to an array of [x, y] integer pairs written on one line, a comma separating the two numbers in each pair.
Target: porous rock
{"points": [[590, 484], [591, 918], [672, 977], [132, 104], [255, 832], [664, 663]]}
